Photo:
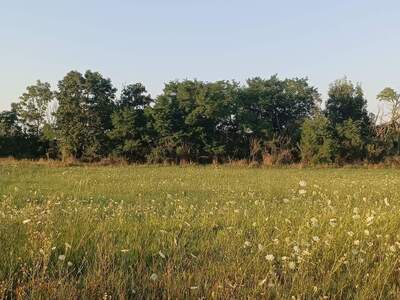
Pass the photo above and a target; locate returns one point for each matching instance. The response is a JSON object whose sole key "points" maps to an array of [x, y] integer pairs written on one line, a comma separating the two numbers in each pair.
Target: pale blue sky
{"points": [[157, 41]]}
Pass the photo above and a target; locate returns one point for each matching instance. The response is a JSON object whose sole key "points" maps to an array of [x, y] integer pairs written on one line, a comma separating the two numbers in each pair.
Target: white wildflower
{"points": [[302, 183], [154, 277], [302, 192], [247, 244], [270, 257], [314, 221], [61, 257], [292, 265], [315, 238], [370, 220]]}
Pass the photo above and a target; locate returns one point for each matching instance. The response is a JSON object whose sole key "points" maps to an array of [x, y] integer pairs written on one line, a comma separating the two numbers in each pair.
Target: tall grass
{"points": [[198, 232]]}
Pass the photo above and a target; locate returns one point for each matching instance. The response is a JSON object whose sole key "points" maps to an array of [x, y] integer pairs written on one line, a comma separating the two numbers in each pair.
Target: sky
{"points": [[154, 42]]}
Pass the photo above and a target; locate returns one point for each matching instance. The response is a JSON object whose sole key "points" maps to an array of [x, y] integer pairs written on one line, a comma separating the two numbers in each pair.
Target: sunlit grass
{"points": [[193, 232]]}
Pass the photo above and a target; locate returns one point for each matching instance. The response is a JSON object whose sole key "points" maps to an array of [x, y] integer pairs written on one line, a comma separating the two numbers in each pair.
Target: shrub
{"points": [[316, 145]]}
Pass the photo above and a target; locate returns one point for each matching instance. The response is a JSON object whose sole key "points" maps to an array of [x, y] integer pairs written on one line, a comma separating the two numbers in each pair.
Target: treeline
{"points": [[271, 121]]}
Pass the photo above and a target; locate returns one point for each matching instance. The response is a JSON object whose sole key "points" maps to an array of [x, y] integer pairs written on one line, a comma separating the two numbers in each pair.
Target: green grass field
{"points": [[198, 232]]}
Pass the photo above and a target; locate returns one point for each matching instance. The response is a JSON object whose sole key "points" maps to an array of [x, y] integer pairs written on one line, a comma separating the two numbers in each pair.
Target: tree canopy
{"points": [[263, 120]]}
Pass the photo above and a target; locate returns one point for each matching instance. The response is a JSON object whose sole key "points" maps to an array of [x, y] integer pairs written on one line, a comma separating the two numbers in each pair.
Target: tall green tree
{"points": [[179, 137], [392, 98], [85, 105], [391, 129], [169, 123], [131, 131], [346, 109], [347, 101], [194, 120], [32, 107], [214, 117], [274, 109]]}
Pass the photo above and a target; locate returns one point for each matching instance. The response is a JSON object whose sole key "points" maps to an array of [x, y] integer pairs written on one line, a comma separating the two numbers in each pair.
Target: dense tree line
{"points": [[273, 121]]}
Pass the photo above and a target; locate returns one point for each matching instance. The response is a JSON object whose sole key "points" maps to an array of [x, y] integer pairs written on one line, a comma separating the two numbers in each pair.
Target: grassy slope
{"points": [[198, 231]]}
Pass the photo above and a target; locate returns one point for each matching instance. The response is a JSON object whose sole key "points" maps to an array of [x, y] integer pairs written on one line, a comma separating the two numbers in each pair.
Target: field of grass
{"points": [[198, 232]]}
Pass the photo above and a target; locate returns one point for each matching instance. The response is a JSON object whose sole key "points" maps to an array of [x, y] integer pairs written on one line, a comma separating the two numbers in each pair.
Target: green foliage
{"points": [[131, 133], [23, 134], [275, 108], [391, 129], [32, 107], [9, 123], [217, 120], [271, 121], [349, 141], [194, 119], [389, 95], [10, 133], [16, 142], [346, 101], [84, 115], [317, 145], [346, 109]]}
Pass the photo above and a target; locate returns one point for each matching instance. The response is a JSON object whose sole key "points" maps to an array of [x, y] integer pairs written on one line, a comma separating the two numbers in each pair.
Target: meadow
{"points": [[215, 232]]}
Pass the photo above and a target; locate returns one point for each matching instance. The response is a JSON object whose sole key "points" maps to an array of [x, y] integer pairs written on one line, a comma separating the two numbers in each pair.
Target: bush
{"points": [[349, 140], [316, 145]]}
